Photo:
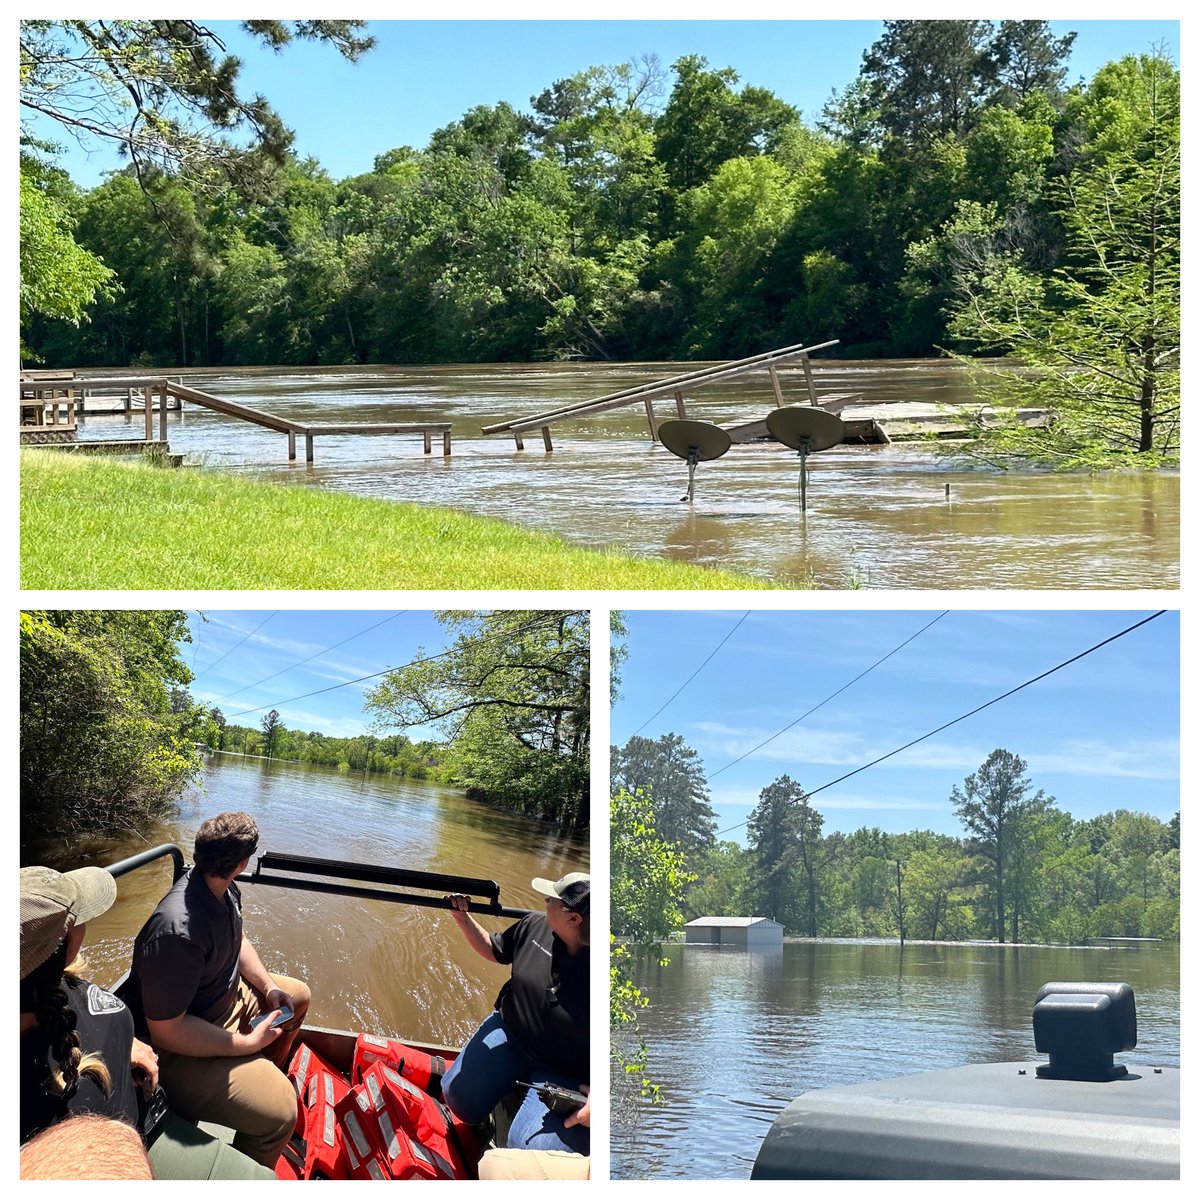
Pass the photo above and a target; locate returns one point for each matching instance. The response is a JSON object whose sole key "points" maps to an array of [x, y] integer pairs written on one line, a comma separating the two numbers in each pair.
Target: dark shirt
{"points": [[105, 1027], [186, 957], [545, 1005]]}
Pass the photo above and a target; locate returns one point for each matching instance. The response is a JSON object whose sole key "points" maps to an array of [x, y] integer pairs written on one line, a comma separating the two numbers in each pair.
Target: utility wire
{"points": [[831, 696], [979, 709], [692, 675], [554, 614], [361, 632], [236, 645]]}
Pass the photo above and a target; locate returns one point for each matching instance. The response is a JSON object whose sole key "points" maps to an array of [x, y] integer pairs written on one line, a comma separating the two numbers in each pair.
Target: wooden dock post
{"points": [[679, 408], [162, 413], [778, 387], [308, 446], [651, 419], [428, 442], [148, 401], [446, 444], [546, 438], [808, 378], [291, 437]]}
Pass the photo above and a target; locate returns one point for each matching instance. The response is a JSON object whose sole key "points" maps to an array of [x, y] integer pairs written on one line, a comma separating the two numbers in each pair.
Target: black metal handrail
{"points": [[336, 869], [489, 889], [117, 869]]}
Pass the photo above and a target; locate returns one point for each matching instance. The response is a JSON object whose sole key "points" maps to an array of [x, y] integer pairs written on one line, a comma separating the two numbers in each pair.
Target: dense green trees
{"points": [[104, 749], [955, 195], [511, 695], [1024, 870], [671, 776]]}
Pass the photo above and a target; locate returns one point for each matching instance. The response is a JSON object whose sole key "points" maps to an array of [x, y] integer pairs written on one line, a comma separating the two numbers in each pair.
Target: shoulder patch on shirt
{"points": [[101, 1002]]}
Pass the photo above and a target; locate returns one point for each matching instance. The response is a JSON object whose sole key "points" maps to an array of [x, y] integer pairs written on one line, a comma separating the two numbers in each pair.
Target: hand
{"points": [[144, 1062], [458, 904], [278, 998], [581, 1116], [263, 1034]]}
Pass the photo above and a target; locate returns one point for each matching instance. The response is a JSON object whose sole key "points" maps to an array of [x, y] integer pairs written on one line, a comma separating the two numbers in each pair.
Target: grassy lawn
{"points": [[99, 523]]}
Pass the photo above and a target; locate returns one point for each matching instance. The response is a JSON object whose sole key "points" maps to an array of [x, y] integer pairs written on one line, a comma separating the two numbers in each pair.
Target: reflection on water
{"points": [[736, 1035], [372, 966], [878, 516]]}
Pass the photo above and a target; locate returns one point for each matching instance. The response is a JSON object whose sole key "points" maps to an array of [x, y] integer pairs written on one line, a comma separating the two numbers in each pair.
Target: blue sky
{"points": [[235, 654], [424, 74], [1099, 735]]}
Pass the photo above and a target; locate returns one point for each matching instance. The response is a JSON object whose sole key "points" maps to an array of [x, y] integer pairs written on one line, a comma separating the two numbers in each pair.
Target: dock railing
{"points": [[676, 386], [165, 389]]}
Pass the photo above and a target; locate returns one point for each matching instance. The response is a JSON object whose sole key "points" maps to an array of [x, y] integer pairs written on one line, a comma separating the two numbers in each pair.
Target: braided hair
{"points": [[43, 995]]}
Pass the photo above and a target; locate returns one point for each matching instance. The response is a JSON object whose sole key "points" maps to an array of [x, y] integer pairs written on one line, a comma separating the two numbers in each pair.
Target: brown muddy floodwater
{"points": [[877, 517], [372, 966]]}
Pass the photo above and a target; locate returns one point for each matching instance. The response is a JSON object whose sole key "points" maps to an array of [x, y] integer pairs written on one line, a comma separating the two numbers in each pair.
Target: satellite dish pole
{"points": [[806, 429], [695, 441]]}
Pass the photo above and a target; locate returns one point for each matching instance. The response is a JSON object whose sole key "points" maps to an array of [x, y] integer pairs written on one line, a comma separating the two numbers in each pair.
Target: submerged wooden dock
{"points": [[678, 388], [44, 396]]}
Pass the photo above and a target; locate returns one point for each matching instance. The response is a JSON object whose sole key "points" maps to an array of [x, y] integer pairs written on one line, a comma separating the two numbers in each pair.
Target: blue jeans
{"points": [[487, 1070]]}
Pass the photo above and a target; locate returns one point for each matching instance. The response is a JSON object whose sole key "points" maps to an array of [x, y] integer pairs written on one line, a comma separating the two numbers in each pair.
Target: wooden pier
{"points": [[46, 395], [678, 387]]}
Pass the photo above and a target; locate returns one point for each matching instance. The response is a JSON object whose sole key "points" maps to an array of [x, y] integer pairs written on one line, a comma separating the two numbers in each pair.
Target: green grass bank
{"points": [[97, 523]]}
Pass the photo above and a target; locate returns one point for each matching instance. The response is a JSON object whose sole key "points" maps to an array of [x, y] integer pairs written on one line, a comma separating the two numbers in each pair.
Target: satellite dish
{"points": [[806, 429], [695, 441]]}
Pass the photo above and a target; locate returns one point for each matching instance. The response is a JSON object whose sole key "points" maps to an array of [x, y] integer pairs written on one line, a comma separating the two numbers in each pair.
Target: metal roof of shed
{"points": [[736, 922]]}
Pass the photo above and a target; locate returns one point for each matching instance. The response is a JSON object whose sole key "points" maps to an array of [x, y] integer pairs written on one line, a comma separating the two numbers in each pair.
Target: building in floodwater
{"points": [[748, 932]]}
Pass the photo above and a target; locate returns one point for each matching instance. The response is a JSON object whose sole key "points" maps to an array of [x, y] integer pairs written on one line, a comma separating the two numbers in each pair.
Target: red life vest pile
{"points": [[386, 1122]]}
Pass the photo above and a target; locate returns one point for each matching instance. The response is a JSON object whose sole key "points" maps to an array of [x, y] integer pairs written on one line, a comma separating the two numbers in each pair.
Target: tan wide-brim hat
{"points": [[573, 890], [53, 902]]}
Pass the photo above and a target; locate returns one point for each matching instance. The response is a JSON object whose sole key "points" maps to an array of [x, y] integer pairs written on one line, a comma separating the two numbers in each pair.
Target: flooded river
{"points": [[877, 516], [372, 966], [736, 1035]]}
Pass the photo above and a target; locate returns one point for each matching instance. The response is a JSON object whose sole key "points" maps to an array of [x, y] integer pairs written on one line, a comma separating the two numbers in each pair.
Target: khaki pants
{"points": [[534, 1164], [250, 1095]]}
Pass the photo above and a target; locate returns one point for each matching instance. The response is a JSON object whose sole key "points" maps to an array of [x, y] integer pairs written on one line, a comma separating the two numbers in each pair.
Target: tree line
{"points": [[957, 194], [111, 735], [395, 755], [1022, 870]]}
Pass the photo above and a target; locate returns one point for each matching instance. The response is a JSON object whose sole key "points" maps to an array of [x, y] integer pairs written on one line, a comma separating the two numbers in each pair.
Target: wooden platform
{"points": [[157, 393]]}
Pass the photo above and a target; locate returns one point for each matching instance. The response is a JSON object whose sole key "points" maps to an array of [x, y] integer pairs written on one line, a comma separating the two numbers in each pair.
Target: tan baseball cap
{"points": [[52, 902]]}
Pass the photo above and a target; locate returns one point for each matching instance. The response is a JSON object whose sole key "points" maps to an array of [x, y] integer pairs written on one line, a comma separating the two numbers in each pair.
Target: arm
{"points": [[198, 1038], [477, 937]]}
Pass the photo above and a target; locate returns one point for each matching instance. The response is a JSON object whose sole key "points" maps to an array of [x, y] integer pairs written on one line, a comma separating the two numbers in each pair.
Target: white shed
{"points": [[734, 931]]}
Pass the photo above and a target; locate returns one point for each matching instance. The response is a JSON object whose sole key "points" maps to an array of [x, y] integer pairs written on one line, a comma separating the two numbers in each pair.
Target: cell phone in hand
{"points": [[285, 1014]]}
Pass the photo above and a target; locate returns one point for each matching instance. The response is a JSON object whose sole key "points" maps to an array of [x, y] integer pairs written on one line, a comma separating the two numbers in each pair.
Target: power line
{"points": [[692, 675], [552, 614], [327, 650], [831, 696], [235, 646], [979, 709]]}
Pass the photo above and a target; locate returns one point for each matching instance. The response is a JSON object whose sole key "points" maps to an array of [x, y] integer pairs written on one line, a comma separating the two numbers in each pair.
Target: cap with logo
{"points": [[573, 890]]}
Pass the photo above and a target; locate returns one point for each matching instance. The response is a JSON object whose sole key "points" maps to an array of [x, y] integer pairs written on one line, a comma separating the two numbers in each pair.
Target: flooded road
{"points": [[372, 966], [878, 517], [736, 1035]]}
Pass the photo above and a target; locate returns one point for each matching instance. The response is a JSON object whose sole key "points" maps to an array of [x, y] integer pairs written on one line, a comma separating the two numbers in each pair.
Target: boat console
{"points": [[1079, 1116]]}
